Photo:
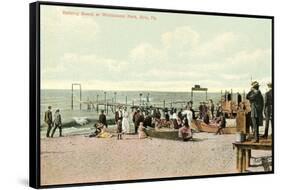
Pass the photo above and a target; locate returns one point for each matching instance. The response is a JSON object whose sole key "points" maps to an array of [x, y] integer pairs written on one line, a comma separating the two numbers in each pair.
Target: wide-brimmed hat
{"points": [[255, 84]]}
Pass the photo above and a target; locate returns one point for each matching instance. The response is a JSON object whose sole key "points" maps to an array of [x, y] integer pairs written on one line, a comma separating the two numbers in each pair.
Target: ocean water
{"points": [[62, 98]]}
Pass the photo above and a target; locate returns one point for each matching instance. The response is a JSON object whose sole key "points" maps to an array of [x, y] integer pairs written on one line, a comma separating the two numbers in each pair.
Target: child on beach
{"points": [[141, 131]]}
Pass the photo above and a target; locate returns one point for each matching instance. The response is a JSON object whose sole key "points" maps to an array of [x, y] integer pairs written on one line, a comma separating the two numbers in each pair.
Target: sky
{"points": [[135, 50]]}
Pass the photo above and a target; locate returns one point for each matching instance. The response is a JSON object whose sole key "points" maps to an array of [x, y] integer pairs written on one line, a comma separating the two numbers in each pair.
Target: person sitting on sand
{"points": [[97, 130], [185, 132], [104, 133], [57, 123], [142, 131], [101, 131], [222, 124]]}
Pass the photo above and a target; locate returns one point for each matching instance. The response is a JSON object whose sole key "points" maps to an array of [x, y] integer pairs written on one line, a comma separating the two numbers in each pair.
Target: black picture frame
{"points": [[34, 90]]}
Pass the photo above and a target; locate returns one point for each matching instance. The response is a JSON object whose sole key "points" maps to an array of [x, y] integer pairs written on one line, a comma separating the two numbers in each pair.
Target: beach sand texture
{"points": [[79, 159]]}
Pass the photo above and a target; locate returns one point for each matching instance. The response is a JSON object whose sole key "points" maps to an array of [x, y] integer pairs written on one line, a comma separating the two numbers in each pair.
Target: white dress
{"points": [[188, 114], [125, 122]]}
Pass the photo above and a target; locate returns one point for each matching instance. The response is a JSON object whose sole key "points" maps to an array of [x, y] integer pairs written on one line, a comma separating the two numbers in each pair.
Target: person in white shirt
{"points": [[188, 114]]}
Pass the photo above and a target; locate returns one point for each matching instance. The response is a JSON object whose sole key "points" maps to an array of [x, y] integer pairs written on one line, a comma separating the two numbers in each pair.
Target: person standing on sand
{"points": [[268, 109], [125, 121], [135, 118], [256, 99], [188, 114], [148, 120], [222, 124], [118, 121], [57, 123], [102, 118], [48, 120], [119, 129], [139, 119], [118, 115]]}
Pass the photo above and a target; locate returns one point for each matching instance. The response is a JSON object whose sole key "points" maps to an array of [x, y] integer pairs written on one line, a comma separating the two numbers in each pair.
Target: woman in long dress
{"points": [[125, 121]]}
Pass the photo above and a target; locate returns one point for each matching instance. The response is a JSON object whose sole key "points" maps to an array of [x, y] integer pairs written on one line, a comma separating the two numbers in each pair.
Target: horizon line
{"points": [[209, 91]]}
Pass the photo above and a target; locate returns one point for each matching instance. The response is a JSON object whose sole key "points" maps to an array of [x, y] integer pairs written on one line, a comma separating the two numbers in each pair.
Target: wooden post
{"points": [[115, 101], [80, 97], [240, 160], [243, 160], [97, 103], [221, 96], [106, 105], [248, 158], [71, 96], [105, 101], [164, 104], [237, 158], [140, 98]]}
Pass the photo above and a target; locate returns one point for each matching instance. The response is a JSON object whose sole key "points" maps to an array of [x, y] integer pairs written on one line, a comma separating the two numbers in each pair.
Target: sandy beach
{"points": [[79, 159]]}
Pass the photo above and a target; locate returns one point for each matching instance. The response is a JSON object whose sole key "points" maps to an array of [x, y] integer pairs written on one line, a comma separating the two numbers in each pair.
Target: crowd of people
{"points": [[151, 117]]}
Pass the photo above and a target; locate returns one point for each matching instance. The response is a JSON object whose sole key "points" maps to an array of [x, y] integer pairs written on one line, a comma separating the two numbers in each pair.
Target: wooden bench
{"points": [[243, 154]]}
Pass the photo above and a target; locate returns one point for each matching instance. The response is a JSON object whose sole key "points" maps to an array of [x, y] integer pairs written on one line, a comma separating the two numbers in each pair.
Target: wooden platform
{"points": [[244, 149]]}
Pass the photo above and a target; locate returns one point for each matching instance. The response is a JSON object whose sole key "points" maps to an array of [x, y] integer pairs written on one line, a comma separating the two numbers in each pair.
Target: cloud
{"points": [[177, 60], [183, 36], [145, 53]]}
